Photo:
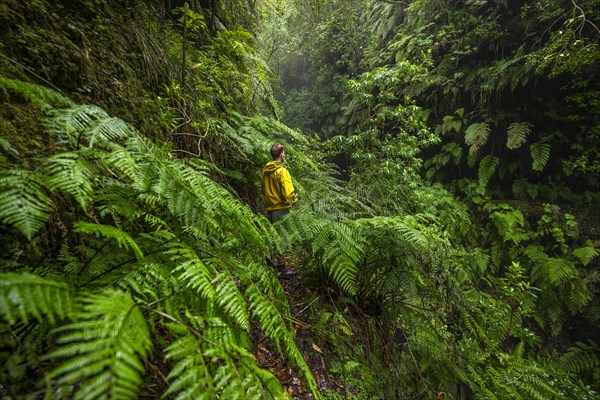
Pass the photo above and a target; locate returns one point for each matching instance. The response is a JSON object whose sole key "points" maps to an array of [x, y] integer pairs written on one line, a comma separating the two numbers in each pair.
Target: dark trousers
{"points": [[276, 215]]}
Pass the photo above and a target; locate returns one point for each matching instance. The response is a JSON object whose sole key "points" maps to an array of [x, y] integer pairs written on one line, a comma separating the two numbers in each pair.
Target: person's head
{"points": [[277, 152]]}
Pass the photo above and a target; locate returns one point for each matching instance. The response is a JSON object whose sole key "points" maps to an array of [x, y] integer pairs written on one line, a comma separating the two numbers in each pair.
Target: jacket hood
{"points": [[272, 167]]}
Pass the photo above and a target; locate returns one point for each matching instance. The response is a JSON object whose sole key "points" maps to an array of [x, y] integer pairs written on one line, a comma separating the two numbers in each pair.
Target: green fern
{"points": [[476, 136], [196, 274], [517, 134], [205, 371], [510, 224], [487, 167], [103, 348], [342, 253], [199, 263], [583, 357], [585, 254], [7, 147], [150, 281], [123, 239], [71, 173], [555, 270], [274, 327], [540, 153], [44, 98], [86, 125], [24, 295], [231, 300], [23, 201]]}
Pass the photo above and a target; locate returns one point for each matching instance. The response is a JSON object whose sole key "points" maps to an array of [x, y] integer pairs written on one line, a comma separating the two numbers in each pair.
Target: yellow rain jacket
{"points": [[277, 187]]}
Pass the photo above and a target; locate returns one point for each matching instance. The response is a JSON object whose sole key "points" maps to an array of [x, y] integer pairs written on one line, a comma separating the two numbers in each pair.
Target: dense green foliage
{"points": [[457, 258], [496, 101]]}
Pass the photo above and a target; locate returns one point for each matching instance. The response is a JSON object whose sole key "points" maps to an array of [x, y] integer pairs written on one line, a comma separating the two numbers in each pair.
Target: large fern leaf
{"points": [[487, 167], [231, 300], [71, 173], [274, 327], [581, 357], [23, 201], [101, 351], [87, 125], [25, 295], [44, 98], [476, 136], [195, 273], [585, 254], [540, 153], [342, 255], [517, 134], [204, 370], [122, 238]]}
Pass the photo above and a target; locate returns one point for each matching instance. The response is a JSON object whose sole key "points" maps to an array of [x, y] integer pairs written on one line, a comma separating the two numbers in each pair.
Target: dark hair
{"points": [[276, 150]]}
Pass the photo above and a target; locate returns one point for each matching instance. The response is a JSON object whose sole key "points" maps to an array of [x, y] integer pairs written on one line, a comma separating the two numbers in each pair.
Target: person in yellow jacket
{"points": [[277, 185]]}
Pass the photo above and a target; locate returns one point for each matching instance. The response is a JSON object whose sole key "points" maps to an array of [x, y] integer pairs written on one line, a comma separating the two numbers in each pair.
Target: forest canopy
{"points": [[446, 238]]}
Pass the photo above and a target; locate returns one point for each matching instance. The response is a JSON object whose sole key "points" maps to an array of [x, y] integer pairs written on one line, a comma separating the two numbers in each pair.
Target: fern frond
{"points": [[274, 327], [42, 97], [585, 254], [25, 295], [578, 295], [124, 164], [86, 125], [476, 136], [510, 224], [205, 370], [540, 154], [7, 147], [23, 201], [556, 271], [517, 134], [231, 300], [487, 167], [580, 358], [190, 376], [342, 255], [103, 348], [71, 173], [150, 281], [194, 272], [121, 237]]}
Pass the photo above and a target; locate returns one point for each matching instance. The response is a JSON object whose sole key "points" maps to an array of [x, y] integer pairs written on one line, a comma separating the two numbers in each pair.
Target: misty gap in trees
{"points": [[446, 154]]}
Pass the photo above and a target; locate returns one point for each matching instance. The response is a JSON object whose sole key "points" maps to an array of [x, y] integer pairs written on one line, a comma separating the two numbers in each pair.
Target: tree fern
{"points": [[103, 348], [517, 134], [540, 153], [476, 136], [23, 201], [24, 295]]}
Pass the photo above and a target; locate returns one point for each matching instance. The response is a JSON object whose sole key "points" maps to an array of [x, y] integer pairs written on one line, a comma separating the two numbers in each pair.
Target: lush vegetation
{"points": [[445, 153]]}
